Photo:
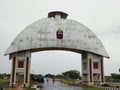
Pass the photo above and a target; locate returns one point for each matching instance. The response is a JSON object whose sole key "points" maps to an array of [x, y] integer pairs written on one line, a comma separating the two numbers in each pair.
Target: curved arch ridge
{"points": [[42, 35]]}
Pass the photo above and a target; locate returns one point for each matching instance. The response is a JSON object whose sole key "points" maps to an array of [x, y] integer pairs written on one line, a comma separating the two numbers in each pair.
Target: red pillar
{"points": [[102, 75], [13, 69], [27, 70], [90, 67]]}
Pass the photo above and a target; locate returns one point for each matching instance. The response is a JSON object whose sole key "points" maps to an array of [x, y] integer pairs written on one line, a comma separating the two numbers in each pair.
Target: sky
{"points": [[101, 16]]}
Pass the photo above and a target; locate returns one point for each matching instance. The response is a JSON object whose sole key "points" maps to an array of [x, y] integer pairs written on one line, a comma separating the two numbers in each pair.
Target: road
{"points": [[56, 86]]}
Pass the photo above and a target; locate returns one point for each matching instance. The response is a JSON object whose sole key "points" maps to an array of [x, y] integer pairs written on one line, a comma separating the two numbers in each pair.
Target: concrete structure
{"points": [[57, 33]]}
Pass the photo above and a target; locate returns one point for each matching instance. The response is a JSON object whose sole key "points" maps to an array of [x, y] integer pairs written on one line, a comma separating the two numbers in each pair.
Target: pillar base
{"points": [[12, 85], [26, 85], [90, 84]]}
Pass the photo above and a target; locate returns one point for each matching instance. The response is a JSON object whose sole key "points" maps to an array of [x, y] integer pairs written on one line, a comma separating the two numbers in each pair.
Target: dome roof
{"points": [[42, 35]]}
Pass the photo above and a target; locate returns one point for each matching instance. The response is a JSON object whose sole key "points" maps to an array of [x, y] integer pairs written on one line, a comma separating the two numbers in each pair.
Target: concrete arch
{"points": [[58, 33], [42, 34]]}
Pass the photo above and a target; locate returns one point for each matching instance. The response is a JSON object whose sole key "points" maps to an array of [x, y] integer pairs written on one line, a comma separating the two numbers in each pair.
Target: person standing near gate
{"points": [[53, 80], [47, 81]]}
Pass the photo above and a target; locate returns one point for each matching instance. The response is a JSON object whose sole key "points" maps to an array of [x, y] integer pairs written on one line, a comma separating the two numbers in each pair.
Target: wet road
{"points": [[57, 86]]}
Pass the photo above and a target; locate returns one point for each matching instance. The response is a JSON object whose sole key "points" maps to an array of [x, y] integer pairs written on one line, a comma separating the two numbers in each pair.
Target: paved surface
{"points": [[56, 86], [17, 88]]}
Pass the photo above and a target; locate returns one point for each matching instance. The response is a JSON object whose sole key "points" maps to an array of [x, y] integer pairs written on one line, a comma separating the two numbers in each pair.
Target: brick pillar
{"points": [[26, 84], [90, 67], [13, 74], [102, 72]]}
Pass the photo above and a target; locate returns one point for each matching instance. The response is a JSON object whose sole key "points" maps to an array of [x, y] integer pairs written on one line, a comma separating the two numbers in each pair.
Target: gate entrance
{"points": [[57, 33], [55, 62]]}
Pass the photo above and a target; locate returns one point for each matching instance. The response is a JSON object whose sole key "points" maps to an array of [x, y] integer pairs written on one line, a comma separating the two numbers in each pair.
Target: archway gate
{"points": [[57, 33]]}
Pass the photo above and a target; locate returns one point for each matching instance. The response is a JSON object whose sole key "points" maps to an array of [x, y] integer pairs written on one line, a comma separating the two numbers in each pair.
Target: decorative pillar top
{"points": [[57, 14]]}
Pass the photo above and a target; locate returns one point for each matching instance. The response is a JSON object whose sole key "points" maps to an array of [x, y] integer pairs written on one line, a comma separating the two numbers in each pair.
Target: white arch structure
{"points": [[57, 33]]}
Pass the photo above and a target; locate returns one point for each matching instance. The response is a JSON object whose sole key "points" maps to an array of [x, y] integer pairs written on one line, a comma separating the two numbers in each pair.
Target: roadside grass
{"points": [[72, 82], [4, 80], [29, 88], [68, 81], [92, 88], [4, 83]]}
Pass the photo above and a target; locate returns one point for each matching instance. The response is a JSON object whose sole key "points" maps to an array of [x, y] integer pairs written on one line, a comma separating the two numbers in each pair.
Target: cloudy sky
{"points": [[101, 16]]}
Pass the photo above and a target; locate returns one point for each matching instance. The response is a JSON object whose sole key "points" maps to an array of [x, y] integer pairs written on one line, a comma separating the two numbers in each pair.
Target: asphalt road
{"points": [[56, 86]]}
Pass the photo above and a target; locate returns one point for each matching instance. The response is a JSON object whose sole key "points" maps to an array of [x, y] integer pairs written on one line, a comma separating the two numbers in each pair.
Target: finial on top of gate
{"points": [[57, 14]]}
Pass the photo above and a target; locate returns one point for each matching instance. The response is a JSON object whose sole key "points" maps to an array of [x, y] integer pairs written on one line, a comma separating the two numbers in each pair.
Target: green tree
{"points": [[0, 76], [115, 76], [58, 76], [72, 74], [50, 75]]}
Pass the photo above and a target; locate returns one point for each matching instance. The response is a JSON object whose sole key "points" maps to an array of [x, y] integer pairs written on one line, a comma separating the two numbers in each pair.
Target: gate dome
{"points": [[42, 35]]}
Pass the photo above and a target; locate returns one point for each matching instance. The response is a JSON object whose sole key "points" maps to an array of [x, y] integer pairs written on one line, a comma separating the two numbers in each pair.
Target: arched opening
{"points": [[55, 62]]}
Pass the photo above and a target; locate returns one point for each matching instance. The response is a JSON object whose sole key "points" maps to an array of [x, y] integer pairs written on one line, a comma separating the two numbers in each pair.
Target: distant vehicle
{"points": [[40, 78]]}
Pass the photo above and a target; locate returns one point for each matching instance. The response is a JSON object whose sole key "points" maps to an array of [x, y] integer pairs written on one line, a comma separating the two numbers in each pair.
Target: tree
{"points": [[115, 76], [0, 76], [72, 74], [50, 75], [58, 76]]}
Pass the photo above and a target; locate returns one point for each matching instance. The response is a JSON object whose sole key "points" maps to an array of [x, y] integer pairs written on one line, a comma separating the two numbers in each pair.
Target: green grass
{"points": [[93, 88], [29, 88], [4, 83], [67, 81], [70, 82], [4, 80]]}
